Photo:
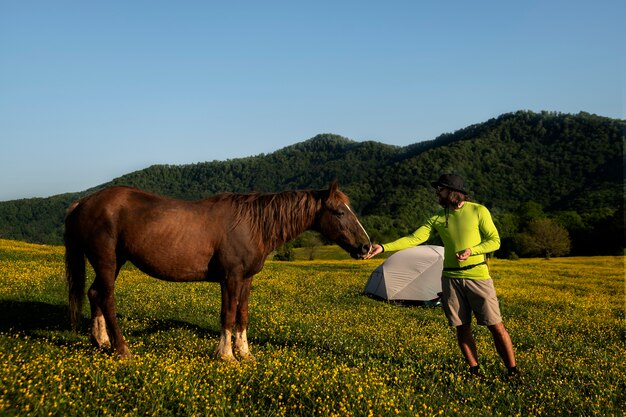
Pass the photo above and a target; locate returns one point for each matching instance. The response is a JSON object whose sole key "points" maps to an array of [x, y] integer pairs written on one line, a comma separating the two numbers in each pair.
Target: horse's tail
{"points": [[74, 267]]}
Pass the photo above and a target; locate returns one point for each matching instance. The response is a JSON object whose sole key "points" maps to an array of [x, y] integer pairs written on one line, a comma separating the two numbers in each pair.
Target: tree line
{"points": [[534, 171]]}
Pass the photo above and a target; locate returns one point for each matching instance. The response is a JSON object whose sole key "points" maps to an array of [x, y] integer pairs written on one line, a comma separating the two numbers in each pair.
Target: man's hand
{"points": [[463, 255], [376, 249]]}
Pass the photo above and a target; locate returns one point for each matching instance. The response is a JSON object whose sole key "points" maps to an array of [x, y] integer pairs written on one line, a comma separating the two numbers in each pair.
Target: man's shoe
{"points": [[475, 371]]}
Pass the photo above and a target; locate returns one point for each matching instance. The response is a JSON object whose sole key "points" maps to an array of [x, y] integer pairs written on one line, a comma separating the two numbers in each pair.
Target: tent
{"points": [[409, 276]]}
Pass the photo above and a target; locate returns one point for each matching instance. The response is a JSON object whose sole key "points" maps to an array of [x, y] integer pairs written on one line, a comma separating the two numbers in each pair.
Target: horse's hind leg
{"points": [[99, 335], [241, 338], [104, 295]]}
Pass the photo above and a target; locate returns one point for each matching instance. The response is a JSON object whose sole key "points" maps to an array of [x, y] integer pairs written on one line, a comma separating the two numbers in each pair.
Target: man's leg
{"points": [[467, 344], [503, 343]]}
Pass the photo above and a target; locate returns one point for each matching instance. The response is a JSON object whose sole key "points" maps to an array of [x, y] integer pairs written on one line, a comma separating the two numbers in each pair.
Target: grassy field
{"points": [[322, 348]]}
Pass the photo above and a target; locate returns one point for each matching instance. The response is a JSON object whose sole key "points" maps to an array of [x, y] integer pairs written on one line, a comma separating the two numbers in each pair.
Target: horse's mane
{"points": [[276, 218]]}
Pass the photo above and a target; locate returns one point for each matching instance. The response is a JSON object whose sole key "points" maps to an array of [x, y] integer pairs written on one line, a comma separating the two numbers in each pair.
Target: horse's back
{"points": [[167, 238], [120, 201], [104, 207]]}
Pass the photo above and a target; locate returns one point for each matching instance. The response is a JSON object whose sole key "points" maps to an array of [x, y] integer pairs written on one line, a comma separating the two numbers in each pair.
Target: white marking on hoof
{"points": [[224, 350], [241, 346], [99, 335]]}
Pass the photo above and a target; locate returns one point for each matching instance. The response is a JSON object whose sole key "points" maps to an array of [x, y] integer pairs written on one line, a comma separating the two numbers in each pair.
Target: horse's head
{"points": [[337, 222]]}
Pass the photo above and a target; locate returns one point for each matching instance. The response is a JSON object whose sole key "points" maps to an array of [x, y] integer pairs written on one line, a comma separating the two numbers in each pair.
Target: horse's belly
{"points": [[172, 272], [171, 265], [170, 246]]}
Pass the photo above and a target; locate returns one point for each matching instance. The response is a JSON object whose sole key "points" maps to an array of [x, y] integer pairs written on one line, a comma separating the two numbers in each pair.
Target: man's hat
{"points": [[450, 181]]}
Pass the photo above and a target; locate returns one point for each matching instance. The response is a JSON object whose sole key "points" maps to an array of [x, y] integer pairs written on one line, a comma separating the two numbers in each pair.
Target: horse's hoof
{"points": [[124, 353], [247, 358], [228, 358], [244, 355], [100, 345]]}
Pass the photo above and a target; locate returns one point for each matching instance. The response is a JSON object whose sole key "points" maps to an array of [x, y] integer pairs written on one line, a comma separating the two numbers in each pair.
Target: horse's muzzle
{"points": [[362, 251]]}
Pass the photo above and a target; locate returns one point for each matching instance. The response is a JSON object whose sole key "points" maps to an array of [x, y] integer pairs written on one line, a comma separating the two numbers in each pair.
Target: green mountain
{"points": [[568, 167]]}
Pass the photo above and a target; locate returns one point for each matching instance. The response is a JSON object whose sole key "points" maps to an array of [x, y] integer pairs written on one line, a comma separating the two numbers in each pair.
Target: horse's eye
{"points": [[338, 212]]}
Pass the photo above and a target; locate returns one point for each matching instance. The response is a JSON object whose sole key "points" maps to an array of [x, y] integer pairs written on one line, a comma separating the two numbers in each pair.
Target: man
{"points": [[468, 234]]}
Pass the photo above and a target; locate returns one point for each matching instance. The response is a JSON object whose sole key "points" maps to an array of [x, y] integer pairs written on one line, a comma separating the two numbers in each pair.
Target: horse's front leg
{"points": [[241, 339], [231, 288]]}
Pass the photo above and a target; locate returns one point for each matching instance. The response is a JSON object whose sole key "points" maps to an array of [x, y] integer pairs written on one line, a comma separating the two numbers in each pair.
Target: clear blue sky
{"points": [[91, 90]]}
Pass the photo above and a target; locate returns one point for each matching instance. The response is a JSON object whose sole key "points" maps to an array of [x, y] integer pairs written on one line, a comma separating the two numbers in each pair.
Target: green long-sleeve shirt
{"points": [[471, 226]]}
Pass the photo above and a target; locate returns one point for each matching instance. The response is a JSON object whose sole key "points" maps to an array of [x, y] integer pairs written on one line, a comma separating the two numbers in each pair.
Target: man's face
{"points": [[442, 195]]}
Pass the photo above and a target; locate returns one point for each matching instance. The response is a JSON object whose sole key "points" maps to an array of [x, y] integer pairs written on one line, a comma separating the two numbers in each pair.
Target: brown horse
{"points": [[225, 238]]}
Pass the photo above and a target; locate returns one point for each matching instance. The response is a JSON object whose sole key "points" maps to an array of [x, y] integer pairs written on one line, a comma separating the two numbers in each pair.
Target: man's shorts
{"points": [[462, 296]]}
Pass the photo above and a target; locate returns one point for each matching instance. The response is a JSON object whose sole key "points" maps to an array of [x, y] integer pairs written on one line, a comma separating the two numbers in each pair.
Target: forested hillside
{"points": [[523, 166]]}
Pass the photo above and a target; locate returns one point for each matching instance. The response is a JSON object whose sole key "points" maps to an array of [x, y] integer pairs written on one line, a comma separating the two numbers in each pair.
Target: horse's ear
{"points": [[333, 187], [335, 194]]}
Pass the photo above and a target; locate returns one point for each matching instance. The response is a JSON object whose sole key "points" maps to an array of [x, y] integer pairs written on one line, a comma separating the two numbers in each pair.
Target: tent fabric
{"points": [[411, 275]]}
